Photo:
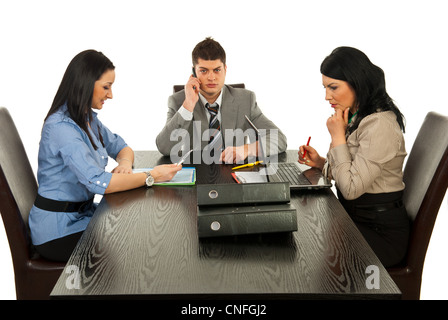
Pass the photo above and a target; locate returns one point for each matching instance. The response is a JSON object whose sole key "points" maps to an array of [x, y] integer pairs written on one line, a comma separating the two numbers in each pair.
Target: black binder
{"points": [[229, 209], [245, 194]]}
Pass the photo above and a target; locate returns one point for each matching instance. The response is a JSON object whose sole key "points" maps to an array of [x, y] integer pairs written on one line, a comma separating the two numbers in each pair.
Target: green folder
{"points": [[185, 177]]}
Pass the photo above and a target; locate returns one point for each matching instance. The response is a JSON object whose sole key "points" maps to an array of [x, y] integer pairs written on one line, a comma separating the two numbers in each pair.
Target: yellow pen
{"points": [[247, 165]]}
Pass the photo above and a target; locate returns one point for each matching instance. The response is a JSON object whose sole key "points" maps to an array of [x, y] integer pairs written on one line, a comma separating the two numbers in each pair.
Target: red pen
{"points": [[307, 144], [235, 178]]}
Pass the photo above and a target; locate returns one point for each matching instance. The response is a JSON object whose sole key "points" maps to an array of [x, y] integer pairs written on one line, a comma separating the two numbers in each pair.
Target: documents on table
{"points": [[186, 176], [249, 177]]}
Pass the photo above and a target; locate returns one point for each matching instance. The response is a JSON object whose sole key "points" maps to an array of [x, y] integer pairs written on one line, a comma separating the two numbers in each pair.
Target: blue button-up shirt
{"points": [[70, 169]]}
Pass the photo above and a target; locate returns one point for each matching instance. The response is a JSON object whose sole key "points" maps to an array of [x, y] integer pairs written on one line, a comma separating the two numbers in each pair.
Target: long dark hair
{"points": [[76, 88], [367, 80]]}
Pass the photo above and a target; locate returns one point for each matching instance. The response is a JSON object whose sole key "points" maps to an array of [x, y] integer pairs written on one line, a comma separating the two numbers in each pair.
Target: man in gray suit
{"points": [[209, 116]]}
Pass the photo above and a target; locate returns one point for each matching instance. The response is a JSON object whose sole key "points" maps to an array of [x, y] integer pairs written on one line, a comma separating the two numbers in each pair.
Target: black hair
{"points": [[367, 80], [77, 85]]}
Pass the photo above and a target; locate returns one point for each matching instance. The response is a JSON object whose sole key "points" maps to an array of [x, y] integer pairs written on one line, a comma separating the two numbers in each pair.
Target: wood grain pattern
{"points": [[144, 243]]}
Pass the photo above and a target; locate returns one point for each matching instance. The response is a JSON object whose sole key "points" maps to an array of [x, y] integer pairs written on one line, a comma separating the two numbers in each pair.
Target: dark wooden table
{"points": [[143, 243]]}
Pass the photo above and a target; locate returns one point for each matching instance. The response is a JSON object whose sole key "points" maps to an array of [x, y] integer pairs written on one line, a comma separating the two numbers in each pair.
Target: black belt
{"points": [[380, 207], [61, 206], [373, 202]]}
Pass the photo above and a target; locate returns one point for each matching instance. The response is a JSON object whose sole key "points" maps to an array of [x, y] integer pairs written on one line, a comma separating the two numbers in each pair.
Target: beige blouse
{"points": [[372, 159]]}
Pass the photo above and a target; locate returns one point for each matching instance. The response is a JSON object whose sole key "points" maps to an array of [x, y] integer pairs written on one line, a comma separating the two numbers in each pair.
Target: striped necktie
{"points": [[214, 126]]}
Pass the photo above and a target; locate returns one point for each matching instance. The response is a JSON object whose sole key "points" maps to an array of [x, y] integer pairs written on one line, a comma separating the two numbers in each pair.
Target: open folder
{"points": [[186, 176]]}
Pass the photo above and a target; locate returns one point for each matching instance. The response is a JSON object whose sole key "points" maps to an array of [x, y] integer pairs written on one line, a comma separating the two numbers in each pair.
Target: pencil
{"points": [[247, 165]]}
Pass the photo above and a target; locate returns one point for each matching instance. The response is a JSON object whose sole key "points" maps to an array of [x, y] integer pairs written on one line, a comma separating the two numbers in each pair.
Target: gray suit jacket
{"points": [[236, 103]]}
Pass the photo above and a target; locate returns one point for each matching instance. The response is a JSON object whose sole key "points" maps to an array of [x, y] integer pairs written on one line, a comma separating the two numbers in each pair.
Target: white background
{"points": [[274, 47]]}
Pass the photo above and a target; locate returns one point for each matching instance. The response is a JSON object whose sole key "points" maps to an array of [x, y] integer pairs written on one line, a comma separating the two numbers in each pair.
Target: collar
{"points": [[351, 116], [218, 100]]}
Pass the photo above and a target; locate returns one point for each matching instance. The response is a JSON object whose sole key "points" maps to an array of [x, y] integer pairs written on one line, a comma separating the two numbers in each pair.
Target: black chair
{"points": [[35, 277], [426, 179], [179, 87]]}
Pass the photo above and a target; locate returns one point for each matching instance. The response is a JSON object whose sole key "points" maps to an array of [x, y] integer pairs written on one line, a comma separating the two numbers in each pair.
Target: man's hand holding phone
{"points": [[192, 92]]}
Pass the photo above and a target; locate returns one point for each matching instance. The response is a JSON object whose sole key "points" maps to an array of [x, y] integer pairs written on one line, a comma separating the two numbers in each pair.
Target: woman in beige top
{"points": [[367, 151]]}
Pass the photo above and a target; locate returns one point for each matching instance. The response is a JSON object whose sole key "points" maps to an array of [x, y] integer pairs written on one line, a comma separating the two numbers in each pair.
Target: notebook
{"points": [[299, 176]]}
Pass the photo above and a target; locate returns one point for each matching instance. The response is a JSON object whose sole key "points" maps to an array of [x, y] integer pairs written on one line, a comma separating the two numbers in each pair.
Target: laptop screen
{"points": [[261, 155]]}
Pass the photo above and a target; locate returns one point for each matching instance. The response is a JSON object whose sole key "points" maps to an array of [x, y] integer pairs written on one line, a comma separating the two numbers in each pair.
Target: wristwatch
{"points": [[149, 179]]}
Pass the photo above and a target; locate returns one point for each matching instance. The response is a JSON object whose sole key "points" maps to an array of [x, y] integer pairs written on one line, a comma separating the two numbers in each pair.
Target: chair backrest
{"points": [[426, 180], [18, 186], [179, 87]]}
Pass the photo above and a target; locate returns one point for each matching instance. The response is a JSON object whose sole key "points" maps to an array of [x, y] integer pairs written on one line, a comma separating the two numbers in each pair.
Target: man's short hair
{"points": [[208, 49]]}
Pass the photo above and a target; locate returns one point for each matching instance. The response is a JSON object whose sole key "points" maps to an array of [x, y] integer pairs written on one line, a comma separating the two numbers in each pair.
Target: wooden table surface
{"points": [[143, 243]]}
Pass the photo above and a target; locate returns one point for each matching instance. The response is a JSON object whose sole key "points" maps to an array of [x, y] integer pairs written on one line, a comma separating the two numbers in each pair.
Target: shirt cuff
{"points": [[186, 115], [100, 183]]}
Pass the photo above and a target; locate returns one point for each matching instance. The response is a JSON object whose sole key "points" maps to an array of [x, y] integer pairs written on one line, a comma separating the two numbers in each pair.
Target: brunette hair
{"points": [[208, 49]]}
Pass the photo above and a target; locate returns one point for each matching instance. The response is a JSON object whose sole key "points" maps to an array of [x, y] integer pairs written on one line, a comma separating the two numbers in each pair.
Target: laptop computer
{"points": [[299, 176]]}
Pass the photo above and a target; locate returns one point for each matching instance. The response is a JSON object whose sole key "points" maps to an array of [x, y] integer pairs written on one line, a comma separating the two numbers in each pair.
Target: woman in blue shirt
{"points": [[73, 154]]}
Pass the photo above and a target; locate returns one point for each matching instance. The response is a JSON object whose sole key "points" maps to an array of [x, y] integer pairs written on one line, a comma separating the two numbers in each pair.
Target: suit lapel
{"points": [[229, 111], [199, 114]]}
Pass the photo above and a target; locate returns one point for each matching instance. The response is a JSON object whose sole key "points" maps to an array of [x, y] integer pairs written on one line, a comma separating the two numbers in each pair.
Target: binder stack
{"points": [[230, 209]]}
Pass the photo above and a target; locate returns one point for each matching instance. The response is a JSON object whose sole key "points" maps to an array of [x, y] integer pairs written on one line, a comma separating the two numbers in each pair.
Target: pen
{"points": [[307, 144], [247, 165], [184, 158], [235, 177]]}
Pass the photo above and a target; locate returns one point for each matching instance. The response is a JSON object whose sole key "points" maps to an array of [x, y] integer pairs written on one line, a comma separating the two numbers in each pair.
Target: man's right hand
{"points": [[191, 93]]}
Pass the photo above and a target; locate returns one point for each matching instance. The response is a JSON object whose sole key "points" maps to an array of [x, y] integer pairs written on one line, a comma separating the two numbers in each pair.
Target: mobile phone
{"points": [[193, 71]]}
